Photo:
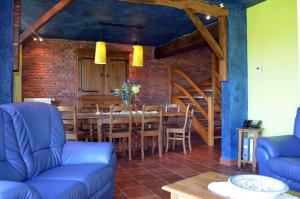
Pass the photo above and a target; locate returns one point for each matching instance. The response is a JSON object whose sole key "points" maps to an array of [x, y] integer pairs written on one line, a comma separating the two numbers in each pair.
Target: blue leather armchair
{"points": [[36, 162], [279, 156]]}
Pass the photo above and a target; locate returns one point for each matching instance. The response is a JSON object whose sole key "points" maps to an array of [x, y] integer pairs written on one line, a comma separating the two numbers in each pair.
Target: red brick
{"points": [[49, 70]]}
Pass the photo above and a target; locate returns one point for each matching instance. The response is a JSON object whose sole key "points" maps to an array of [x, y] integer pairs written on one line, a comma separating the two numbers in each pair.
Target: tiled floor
{"points": [[143, 179]]}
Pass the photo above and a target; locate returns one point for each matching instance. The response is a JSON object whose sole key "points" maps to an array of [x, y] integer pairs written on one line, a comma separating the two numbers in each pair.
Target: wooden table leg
{"points": [[174, 196], [99, 130]]}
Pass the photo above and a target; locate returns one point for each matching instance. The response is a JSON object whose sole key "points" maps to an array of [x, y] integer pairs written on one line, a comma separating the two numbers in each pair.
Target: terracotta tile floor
{"points": [[143, 179]]}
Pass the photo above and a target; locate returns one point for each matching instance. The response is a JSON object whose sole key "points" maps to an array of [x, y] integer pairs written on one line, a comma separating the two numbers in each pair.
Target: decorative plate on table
{"points": [[256, 186]]}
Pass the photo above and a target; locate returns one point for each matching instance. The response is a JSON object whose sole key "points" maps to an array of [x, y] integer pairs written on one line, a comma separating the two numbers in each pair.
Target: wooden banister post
{"points": [[170, 84], [211, 121]]}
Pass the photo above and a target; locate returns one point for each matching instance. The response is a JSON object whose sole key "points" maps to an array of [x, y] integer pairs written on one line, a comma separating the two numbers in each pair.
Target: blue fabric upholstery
{"points": [[12, 190], [279, 156], [62, 189], [75, 153], [93, 176], [10, 159], [33, 150]]}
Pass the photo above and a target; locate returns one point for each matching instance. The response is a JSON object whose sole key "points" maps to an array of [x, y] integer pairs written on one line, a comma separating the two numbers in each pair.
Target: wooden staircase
{"points": [[206, 98]]}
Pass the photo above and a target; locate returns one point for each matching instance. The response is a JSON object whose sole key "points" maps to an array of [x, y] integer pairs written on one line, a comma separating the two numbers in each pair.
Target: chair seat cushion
{"points": [[93, 176], [62, 189], [288, 167]]}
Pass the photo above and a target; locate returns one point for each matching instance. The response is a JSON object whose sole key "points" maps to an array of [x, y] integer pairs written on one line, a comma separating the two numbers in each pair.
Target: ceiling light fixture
{"points": [[41, 39], [34, 39], [138, 56], [222, 5], [208, 17]]}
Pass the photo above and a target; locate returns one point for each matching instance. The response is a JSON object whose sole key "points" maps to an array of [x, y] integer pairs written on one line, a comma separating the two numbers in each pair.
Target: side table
{"points": [[248, 132]]}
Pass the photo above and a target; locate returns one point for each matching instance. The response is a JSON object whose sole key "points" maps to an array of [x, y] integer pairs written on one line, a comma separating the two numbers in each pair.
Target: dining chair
{"points": [[120, 125], [181, 133], [170, 122], [152, 127], [69, 118]]}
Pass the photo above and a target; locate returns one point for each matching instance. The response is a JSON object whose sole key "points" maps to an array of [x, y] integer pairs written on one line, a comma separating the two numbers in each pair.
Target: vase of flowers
{"points": [[128, 90]]}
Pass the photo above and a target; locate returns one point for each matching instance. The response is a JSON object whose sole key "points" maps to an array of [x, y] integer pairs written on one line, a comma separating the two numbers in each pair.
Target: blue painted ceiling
{"points": [[114, 21]]}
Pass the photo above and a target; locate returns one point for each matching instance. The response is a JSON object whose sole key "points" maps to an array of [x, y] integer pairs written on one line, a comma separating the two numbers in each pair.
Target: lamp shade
{"points": [[100, 53], [138, 56]]}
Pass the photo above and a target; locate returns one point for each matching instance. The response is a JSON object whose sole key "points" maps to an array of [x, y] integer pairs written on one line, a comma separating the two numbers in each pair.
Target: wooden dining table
{"points": [[101, 118]]}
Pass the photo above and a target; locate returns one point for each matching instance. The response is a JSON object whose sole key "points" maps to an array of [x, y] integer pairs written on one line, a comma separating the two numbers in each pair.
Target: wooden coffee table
{"points": [[196, 187]]}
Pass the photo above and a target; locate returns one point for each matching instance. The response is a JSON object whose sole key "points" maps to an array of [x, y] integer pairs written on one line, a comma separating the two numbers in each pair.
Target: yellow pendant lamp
{"points": [[138, 56], [100, 52]]}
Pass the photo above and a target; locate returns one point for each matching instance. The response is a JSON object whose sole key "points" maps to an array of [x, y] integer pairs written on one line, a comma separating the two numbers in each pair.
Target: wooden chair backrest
{"points": [[155, 118], [118, 119], [189, 114], [69, 117], [172, 107]]}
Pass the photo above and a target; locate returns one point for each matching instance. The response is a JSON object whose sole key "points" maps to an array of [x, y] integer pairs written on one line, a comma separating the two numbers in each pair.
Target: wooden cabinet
{"points": [[96, 79], [99, 80]]}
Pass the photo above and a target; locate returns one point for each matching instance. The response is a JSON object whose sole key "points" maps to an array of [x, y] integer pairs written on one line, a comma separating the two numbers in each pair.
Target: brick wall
{"points": [[49, 69]]}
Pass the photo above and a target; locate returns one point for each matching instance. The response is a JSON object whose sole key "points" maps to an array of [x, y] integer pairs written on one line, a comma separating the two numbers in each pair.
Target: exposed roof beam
{"points": [[197, 6], [205, 33], [185, 43], [44, 19]]}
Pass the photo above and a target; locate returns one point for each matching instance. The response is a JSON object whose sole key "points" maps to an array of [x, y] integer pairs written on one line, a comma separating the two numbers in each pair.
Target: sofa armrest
{"points": [[280, 146], [17, 190], [86, 152]]}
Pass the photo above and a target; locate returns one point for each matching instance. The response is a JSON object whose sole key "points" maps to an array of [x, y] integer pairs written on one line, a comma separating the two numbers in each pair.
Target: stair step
{"points": [[185, 97], [203, 89]]}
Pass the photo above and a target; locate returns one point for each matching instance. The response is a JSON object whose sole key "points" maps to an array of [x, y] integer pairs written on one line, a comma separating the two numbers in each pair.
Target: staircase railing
{"points": [[207, 135]]}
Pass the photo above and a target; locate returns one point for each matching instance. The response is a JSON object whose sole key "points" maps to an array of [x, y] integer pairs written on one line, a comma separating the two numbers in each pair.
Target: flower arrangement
{"points": [[128, 90]]}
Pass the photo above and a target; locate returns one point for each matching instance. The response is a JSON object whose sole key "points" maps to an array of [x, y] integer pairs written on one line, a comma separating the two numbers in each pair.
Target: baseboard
{"points": [[229, 162]]}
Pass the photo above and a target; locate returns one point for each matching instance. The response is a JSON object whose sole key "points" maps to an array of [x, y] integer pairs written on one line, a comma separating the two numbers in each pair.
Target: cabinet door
{"points": [[117, 73], [91, 77]]}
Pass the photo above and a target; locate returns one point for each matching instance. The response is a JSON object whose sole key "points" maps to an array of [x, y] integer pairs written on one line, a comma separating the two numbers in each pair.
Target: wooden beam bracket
{"points": [[44, 19], [205, 33]]}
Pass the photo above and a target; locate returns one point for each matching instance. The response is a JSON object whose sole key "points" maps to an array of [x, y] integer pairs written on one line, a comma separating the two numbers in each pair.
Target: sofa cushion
{"points": [[40, 134], [59, 189], [94, 176], [288, 167], [12, 166]]}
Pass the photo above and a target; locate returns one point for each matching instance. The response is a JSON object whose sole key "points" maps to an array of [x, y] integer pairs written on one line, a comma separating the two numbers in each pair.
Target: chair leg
{"points": [[153, 144], [167, 142], [189, 140], [142, 146], [160, 145], [174, 140], [183, 144], [129, 147]]}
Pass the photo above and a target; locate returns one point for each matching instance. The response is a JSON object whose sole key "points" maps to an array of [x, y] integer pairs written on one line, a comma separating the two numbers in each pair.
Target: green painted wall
{"points": [[273, 45]]}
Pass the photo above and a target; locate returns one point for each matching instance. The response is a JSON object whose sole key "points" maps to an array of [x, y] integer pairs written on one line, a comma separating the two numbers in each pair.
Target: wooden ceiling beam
{"points": [[205, 33], [44, 19], [196, 5], [185, 43]]}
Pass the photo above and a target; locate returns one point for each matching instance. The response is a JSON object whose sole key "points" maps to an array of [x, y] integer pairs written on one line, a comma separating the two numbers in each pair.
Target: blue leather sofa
{"points": [[36, 162], [279, 156]]}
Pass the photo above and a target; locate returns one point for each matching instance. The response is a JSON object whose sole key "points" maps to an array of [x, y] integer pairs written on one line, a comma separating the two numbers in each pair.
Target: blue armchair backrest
{"points": [[12, 166], [40, 135], [297, 124]]}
